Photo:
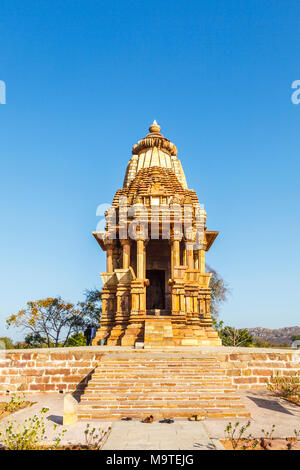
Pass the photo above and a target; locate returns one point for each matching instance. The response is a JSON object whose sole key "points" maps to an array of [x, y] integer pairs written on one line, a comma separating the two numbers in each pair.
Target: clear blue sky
{"points": [[84, 81]]}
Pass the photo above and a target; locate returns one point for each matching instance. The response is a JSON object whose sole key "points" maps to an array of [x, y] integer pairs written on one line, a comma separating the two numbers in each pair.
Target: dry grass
{"points": [[263, 444], [4, 412]]}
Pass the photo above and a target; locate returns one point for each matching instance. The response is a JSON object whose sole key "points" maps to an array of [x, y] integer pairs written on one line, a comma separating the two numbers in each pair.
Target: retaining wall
{"points": [[69, 369]]}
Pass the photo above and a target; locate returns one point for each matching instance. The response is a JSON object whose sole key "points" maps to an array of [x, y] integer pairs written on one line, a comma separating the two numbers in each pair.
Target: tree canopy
{"points": [[51, 318], [219, 291], [295, 337], [6, 343], [91, 307], [233, 337], [53, 322]]}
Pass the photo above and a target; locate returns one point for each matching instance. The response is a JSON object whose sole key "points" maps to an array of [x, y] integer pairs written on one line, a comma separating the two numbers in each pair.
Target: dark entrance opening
{"points": [[155, 294]]}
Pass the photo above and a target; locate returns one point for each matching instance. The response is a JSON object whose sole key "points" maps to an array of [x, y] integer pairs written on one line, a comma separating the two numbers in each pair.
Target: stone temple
{"points": [[155, 289]]}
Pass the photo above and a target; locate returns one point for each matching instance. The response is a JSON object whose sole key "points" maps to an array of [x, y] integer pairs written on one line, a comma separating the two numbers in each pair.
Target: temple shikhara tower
{"points": [[155, 289]]}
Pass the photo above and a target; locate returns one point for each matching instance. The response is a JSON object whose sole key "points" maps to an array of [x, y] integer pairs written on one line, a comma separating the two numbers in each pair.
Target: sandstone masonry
{"points": [[70, 369]]}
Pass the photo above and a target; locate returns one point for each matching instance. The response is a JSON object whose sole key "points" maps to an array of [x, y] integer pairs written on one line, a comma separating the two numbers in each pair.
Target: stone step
{"points": [[151, 364], [159, 377], [147, 356], [154, 392], [154, 404], [141, 397], [176, 363], [136, 386], [158, 390], [188, 372], [165, 385], [157, 386], [173, 369], [161, 368], [157, 393], [212, 369], [155, 374], [173, 388], [164, 413]]}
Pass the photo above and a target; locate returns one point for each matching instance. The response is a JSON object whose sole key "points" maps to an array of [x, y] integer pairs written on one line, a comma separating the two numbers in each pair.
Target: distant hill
{"points": [[279, 336]]}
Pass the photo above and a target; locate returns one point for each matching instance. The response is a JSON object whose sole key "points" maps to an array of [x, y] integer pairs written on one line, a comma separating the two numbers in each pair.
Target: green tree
{"points": [[6, 343], [233, 337], [295, 337], [51, 318], [78, 339], [91, 308], [21, 345], [219, 291], [263, 343], [35, 340]]}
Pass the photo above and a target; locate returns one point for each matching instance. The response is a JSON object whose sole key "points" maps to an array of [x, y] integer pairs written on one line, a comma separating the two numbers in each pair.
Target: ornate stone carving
{"points": [[165, 280]]}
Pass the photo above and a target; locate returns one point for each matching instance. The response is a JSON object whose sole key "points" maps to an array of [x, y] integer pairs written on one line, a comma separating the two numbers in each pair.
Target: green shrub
{"points": [[17, 400], [78, 339], [29, 435], [6, 343], [284, 386]]}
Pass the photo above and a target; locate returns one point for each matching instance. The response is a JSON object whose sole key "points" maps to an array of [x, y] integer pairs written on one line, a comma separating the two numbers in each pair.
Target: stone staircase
{"points": [[162, 383], [158, 332]]}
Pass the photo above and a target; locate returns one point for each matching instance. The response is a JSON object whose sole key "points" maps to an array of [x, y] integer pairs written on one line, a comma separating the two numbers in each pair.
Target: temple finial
{"points": [[154, 128]]}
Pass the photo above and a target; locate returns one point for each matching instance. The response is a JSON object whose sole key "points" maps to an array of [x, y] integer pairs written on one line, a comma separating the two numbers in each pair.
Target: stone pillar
{"points": [[145, 257], [204, 307], [207, 308], [172, 260], [184, 260], [196, 259], [119, 301], [126, 253], [115, 256], [135, 328], [109, 256], [201, 305], [140, 258], [107, 317], [178, 299], [177, 284], [190, 255], [104, 298], [176, 253], [201, 261]]}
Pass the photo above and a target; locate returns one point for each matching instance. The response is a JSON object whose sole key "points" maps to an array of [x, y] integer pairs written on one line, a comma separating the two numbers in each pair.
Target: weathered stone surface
{"points": [[162, 383], [156, 276], [70, 410], [68, 377]]}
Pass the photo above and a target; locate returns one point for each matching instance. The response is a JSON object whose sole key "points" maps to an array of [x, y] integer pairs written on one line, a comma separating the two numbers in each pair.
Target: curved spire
{"points": [[154, 150], [155, 139], [154, 128]]}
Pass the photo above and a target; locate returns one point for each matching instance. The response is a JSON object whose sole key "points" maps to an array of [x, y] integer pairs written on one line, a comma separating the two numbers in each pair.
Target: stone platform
{"points": [[61, 370], [160, 383], [266, 410]]}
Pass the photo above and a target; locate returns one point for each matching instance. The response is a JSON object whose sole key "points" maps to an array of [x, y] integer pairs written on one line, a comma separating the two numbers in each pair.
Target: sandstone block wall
{"points": [[69, 369], [46, 370], [252, 368]]}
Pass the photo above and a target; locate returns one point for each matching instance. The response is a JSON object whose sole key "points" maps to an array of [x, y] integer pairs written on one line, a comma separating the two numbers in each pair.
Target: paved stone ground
{"points": [[266, 410], [180, 435]]}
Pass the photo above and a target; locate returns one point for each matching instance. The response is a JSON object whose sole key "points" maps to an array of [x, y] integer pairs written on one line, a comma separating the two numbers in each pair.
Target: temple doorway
{"points": [[155, 294]]}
